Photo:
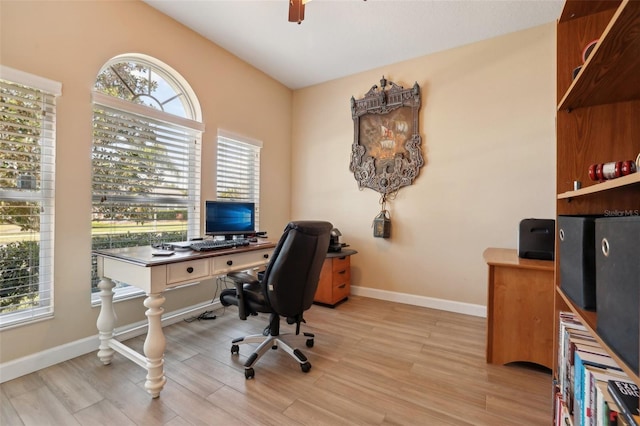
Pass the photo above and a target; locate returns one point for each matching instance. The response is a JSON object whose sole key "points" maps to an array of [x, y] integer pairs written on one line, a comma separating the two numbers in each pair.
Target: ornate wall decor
{"points": [[386, 153]]}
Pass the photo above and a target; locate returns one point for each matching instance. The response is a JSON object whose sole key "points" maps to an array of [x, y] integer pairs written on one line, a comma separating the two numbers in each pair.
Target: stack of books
{"points": [[591, 389]]}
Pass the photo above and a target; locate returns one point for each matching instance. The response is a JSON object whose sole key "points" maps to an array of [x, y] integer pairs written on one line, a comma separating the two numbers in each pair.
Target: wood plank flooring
{"points": [[374, 363]]}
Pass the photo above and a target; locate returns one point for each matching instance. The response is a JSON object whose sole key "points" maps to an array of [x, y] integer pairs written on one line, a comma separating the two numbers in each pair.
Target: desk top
{"points": [[142, 255], [509, 257], [342, 253]]}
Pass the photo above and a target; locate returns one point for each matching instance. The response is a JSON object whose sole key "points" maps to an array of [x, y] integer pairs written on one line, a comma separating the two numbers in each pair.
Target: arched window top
{"points": [[144, 80]]}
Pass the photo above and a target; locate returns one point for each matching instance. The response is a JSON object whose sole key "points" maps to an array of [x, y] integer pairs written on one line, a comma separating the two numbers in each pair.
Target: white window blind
{"points": [[145, 158], [27, 158], [238, 169], [146, 177]]}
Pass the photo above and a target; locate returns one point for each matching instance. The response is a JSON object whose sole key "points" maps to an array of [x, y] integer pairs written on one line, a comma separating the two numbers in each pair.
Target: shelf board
{"points": [[589, 319], [612, 71], [620, 182], [578, 8]]}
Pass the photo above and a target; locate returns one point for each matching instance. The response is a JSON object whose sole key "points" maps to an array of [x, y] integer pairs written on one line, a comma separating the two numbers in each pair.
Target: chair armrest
{"points": [[239, 280], [242, 278]]}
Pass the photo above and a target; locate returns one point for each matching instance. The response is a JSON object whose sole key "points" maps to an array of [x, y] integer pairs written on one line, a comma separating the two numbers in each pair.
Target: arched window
{"points": [[145, 156], [144, 81]]}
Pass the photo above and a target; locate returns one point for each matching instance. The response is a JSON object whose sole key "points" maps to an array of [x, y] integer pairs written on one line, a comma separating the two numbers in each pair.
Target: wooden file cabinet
{"points": [[335, 278], [519, 308]]}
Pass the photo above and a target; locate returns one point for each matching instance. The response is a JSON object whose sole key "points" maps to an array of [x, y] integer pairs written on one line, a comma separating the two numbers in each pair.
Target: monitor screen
{"points": [[229, 218]]}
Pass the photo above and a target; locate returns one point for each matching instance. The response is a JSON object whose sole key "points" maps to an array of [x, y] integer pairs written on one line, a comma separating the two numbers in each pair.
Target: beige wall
{"points": [[488, 132], [69, 42]]}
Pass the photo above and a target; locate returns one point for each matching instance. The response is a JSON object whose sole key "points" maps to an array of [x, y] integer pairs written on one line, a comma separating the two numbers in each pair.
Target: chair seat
{"points": [[255, 300]]}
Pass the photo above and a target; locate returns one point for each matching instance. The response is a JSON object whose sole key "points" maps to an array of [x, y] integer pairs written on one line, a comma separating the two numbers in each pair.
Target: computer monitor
{"points": [[230, 218]]}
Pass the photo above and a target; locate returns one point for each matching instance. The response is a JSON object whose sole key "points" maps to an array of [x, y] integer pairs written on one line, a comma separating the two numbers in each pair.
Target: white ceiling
{"points": [[344, 37]]}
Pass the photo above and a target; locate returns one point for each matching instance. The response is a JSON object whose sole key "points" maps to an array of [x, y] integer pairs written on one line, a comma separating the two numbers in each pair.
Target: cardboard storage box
{"points": [[618, 285]]}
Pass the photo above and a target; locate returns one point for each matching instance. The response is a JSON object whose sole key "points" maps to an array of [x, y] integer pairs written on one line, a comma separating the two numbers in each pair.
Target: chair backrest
{"points": [[291, 278]]}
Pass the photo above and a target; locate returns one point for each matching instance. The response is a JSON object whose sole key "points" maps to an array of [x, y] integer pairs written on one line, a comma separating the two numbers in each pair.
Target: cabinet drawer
{"points": [[341, 291], [341, 282], [340, 277], [340, 263], [187, 271]]}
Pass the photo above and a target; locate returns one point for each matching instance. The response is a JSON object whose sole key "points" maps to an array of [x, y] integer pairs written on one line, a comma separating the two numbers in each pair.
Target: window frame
{"points": [[188, 125], [51, 90]]}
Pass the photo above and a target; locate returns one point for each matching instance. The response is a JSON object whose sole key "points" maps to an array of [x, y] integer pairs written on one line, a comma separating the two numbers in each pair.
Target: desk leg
{"points": [[154, 345], [106, 320]]}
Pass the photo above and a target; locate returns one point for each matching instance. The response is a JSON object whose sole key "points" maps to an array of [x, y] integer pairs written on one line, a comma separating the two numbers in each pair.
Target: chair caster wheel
{"points": [[235, 349], [249, 373], [305, 367], [309, 343]]}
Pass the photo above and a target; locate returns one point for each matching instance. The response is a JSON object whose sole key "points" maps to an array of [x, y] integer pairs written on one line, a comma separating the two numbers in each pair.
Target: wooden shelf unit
{"points": [[597, 122]]}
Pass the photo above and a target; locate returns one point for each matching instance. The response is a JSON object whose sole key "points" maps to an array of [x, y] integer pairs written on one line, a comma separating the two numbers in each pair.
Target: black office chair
{"points": [[286, 289]]}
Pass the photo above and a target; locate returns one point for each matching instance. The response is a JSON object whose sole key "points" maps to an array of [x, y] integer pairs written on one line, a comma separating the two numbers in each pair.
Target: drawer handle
{"points": [[266, 256], [190, 269], [344, 271], [229, 262], [342, 286], [342, 257]]}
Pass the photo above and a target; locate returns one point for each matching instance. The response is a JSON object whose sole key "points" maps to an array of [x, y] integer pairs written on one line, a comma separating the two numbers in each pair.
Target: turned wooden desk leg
{"points": [[106, 320], [154, 345]]}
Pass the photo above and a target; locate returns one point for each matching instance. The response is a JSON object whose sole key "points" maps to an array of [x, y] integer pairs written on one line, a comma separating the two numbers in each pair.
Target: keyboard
{"points": [[208, 245]]}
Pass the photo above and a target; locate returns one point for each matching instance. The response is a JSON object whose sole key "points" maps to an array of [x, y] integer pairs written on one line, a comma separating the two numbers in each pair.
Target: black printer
{"points": [[536, 239]]}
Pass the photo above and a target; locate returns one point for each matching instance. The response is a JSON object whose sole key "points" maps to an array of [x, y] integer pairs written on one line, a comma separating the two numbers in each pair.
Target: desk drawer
{"points": [[240, 261], [187, 271]]}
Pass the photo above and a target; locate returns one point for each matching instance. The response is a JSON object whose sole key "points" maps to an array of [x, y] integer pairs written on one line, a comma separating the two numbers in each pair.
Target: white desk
{"points": [[154, 274]]}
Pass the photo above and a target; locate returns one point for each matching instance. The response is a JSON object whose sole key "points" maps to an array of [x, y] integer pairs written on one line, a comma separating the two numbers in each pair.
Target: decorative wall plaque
{"points": [[386, 153]]}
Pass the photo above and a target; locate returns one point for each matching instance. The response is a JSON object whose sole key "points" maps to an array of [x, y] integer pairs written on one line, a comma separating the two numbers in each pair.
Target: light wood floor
{"points": [[374, 363]]}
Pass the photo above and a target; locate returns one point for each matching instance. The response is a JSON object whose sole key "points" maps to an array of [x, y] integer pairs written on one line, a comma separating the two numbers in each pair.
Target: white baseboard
{"points": [[19, 367], [427, 302], [34, 362]]}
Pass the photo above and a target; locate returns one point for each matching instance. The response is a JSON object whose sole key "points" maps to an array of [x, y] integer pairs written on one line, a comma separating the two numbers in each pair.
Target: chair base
{"points": [[273, 342]]}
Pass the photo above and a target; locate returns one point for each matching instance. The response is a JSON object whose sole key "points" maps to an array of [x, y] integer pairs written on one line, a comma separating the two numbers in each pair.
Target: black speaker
{"points": [[576, 235], [618, 285], [536, 239]]}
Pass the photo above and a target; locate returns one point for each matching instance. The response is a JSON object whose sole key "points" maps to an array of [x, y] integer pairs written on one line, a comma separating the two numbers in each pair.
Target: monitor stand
{"points": [[229, 237]]}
